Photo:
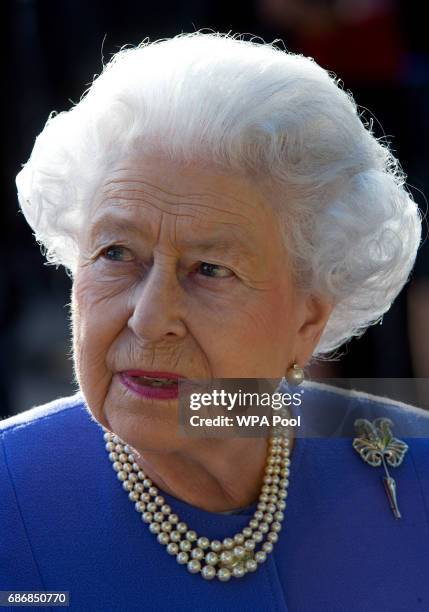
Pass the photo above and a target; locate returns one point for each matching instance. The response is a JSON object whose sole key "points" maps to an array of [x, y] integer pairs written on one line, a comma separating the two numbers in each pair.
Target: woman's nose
{"points": [[157, 308]]}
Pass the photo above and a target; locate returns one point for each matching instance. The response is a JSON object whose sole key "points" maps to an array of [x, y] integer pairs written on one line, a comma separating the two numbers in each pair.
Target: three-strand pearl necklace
{"points": [[233, 557]]}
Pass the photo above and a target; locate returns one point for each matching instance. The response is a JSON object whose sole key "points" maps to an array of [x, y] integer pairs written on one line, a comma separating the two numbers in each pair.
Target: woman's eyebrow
{"points": [[219, 241], [108, 223]]}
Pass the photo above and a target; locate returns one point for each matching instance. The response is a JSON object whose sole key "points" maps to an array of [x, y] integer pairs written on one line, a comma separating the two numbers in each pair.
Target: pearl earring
{"points": [[295, 375]]}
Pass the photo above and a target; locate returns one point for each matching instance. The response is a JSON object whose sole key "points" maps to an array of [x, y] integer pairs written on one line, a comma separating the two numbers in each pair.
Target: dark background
{"points": [[52, 50]]}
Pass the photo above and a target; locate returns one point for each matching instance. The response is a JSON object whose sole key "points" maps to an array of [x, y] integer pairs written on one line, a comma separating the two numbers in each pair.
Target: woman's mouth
{"points": [[154, 385]]}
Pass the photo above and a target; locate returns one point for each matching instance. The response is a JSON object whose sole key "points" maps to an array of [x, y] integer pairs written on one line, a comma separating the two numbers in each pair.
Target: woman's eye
{"points": [[214, 270], [116, 253]]}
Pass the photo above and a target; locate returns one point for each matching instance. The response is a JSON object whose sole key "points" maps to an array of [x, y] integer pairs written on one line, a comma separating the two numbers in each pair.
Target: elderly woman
{"points": [[224, 213]]}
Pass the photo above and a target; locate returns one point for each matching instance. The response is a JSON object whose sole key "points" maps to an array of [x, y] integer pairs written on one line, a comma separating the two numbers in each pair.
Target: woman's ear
{"points": [[316, 312]]}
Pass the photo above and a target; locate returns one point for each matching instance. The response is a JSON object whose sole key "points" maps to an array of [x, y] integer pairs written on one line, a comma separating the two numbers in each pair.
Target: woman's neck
{"points": [[215, 475]]}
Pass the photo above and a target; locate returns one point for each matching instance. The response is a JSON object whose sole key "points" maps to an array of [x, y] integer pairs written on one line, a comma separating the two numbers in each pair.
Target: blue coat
{"points": [[66, 524]]}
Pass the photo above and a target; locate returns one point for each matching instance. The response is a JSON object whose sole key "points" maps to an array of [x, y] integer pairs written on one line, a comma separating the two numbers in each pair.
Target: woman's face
{"points": [[181, 270]]}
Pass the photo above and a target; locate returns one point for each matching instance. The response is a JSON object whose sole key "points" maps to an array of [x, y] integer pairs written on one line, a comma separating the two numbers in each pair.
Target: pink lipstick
{"points": [[152, 385]]}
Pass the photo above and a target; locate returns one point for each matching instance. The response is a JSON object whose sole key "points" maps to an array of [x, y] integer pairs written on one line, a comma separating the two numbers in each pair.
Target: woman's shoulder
{"points": [[334, 411], [50, 456], [38, 416], [32, 441]]}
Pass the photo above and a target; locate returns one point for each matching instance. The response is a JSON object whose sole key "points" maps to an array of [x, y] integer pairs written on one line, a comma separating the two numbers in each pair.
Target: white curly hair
{"points": [[351, 228]]}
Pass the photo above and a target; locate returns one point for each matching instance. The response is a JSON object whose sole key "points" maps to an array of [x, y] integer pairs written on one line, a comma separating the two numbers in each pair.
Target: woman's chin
{"points": [[144, 423]]}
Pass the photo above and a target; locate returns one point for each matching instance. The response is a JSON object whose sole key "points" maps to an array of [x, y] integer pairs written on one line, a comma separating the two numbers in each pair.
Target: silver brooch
{"points": [[376, 445]]}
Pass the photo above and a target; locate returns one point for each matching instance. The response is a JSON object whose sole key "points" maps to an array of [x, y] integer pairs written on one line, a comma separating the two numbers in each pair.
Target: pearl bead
{"points": [[249, 544], [107, 436], [251, 565], [228, 543], [152, 507], [208, 572], [276, 526], [122, 475], [175, 536], [133, 496], [153, 491], [172, 548], [226, 556], [203, 542], [127, 485], [158, 517], [159, 500], [147, 517], [144, 496], [215, 545], [185, 545], [238, 571], [117, 466], [166, 509], [181, 527], [239, 538], [191, 535], [239, 552], [247, 532], [260, 556], [182, 558], [194, 566], [140, 506], [110, 447], [138, 487], [173, 518], [154, 528], [147, 482], [113, 456], [272, 537], [211, 558], [224, 574], [163, 538], [263, 527], [267, 547], [257, 536], [123, 457], [166, 526], [197, 553], [253, 524]]}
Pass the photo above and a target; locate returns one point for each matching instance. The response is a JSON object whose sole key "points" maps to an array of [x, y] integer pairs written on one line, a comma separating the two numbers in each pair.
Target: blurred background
{"points": [[52, 50]]}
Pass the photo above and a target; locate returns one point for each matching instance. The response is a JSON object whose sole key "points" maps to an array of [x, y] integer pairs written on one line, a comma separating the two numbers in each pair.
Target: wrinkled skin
{"points": [[199, 284]]}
